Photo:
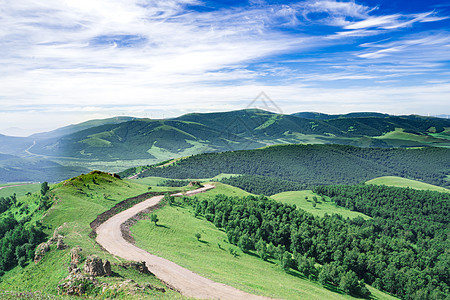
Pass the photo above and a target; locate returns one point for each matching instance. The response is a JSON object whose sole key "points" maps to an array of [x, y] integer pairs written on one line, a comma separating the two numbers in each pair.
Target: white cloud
{"points": [[89, 58], [394, 21]]}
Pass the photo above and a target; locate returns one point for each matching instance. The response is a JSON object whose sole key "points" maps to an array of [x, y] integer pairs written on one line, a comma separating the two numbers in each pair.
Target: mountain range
{"points": [[116, 143]]}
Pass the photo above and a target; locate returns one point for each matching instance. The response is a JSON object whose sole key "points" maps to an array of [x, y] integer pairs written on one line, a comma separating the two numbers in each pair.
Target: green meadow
{"points": [[404, 182], [20, 190], [304, 200]]}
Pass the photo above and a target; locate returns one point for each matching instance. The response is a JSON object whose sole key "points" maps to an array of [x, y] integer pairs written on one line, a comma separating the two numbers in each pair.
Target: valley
{"points": [[289, 221]]}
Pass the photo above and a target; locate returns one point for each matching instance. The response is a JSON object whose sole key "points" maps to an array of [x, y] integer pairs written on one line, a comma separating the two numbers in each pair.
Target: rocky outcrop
{"points": [[94, 266], [75, 255], [139, 266], [60, 245], [41, 249], [73, 269], [76, 284], [107, 268], [79, 285], [195, 183]]}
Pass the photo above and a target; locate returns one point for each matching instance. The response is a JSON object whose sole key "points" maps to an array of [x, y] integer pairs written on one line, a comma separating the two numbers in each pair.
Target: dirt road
{"points": [[186, 282]]}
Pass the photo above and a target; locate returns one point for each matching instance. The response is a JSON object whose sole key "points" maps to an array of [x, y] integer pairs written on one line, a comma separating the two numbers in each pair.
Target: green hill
{"points": [[315, 164], [75, 204], [404, 182], [243, 129], [139, 139], [118, 143]]}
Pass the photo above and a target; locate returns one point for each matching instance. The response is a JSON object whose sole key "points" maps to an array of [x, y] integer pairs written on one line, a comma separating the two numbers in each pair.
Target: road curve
{"points": [[188, 283]]}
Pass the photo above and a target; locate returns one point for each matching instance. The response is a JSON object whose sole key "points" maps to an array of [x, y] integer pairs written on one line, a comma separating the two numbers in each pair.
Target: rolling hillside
{"points": [[407, 183], [118, 143], [315, 164], [234, 130]]}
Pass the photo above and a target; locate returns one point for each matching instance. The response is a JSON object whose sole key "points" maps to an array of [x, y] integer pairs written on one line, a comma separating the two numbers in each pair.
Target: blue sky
{"points": [[68, 61]]}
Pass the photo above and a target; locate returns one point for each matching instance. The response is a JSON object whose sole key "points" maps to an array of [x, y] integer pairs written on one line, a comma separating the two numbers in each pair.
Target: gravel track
{"points": [[188, 283]]}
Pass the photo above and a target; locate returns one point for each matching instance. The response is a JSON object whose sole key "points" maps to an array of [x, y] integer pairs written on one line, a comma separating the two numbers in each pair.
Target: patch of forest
{"points": [[316, 164], [394, 252], [19, 234]]}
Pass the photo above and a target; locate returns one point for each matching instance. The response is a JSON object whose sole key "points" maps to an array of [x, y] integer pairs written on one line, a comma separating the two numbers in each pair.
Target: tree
{"points": [[286, 261], [198, 236], [324, 275], [305, 265], [245, 243], [154, 219], [349, 283], [44, 188], [261, 249]]}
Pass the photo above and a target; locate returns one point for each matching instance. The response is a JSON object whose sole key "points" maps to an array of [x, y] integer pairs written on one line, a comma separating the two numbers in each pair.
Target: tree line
{"points": [[316, 164]]}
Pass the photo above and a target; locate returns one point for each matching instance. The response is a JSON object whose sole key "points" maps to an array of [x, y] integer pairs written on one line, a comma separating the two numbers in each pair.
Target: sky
{"points": [[67, 61]]}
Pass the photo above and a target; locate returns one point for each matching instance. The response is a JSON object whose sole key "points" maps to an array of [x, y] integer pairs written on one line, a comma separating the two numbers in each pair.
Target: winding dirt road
{"points": [[188, 283]]}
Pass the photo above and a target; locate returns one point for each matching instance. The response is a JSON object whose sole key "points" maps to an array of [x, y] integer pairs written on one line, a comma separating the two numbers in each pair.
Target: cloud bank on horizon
{"points": [[65, 61]]}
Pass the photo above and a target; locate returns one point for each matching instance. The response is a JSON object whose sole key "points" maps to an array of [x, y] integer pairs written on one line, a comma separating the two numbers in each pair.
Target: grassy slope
{"points": [[154, 181], [78, 202], [246, 272], [20, 190], [322, 207], [404, 182], [400, 134]]}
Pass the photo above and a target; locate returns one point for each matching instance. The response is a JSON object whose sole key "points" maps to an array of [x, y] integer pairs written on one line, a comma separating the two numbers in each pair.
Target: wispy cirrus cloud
{"points": [[152, 54], [395, 21]]}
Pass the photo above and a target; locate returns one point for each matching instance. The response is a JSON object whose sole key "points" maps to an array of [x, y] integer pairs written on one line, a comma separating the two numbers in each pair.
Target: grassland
{"points": [[154, 181], [304, 200], [19, 190], [77, 202], [210, 256], [404, 182], [222, 188], [400, 136]]}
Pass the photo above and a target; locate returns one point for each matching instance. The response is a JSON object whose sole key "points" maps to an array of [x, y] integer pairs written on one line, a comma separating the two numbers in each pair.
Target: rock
{"points": [[60, 245], [195, 183], [151, 287], [139, 266], [94, 266], [76, 285], [40, 252], [75, 255], [73, 268], [107, 268]]}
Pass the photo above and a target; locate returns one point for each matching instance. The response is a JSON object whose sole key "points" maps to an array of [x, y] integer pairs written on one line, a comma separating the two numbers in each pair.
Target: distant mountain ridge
{"points": [[115, 143], [237, 130]]}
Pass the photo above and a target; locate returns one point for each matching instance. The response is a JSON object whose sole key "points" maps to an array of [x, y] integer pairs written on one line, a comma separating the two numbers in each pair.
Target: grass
{"points": [[404, 182], [154, 181], [174, 239], [222, 188], [77, 203], [20, 190], [399, 134], [323, 206]]}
